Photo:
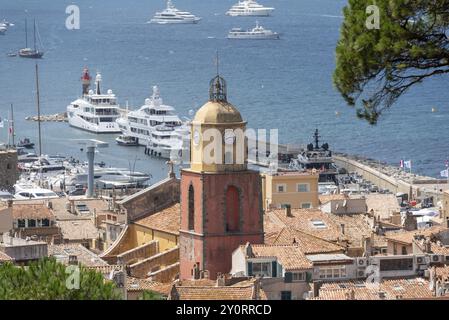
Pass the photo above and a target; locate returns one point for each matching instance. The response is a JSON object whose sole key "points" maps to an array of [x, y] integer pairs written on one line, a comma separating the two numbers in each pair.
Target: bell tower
{"points": [[221, 205]]}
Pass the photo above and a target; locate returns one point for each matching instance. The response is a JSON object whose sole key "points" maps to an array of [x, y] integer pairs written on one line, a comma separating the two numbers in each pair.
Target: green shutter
{"points": [[250, 268], [274, 270], [288, 277]]}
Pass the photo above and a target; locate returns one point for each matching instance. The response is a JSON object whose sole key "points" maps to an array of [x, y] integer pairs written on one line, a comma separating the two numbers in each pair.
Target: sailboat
{"points": [[29, 52]]}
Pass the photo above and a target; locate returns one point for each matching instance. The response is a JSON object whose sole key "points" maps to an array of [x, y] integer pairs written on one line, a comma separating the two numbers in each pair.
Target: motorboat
{"points": [[26, 143], [96, 112], [28, 191], [256, 33], [124, 140], [171, 15], [249, 8]]}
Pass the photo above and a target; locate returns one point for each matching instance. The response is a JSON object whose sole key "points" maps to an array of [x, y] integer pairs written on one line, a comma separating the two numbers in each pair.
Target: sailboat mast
{"points": [[38, 110], [11, 125], [34, 34], [26, 33]]}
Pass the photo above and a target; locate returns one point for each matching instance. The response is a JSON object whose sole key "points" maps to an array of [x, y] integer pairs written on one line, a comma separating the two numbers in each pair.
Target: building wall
{"points": [[209, 244], [6, 220], [274, 286], [8, 169], [144, 235], [395, 248], [274, 199], [151, 200], [445, 209]]}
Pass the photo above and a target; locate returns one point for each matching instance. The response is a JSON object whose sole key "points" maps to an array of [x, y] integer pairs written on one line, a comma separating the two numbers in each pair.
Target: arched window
{"points": [[191, 208], [232, 209]]}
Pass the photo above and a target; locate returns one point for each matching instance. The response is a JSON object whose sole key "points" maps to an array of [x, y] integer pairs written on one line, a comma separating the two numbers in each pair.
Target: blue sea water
{"points": [[285, 84]]}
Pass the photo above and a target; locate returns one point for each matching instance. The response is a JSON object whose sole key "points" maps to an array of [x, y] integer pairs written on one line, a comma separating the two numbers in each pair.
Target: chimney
{"points": [[221, 280], [342, 228], [350, 295], [288, 210], [73, 260], [248, 250], [382, 294], [10, 202]]}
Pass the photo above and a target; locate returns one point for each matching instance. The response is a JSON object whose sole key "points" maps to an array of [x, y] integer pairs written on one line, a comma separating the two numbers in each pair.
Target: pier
{"points": [[58, 117], [392, 178]]}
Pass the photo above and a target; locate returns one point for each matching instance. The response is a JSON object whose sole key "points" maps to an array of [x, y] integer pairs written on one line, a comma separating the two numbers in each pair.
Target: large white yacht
{"points": [[171, 15], [249, 8], [95, 112], [154, 125], [256, 33]]}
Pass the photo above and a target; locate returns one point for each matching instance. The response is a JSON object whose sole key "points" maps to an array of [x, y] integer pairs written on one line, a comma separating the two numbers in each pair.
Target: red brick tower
{"points": [[221, 206]]}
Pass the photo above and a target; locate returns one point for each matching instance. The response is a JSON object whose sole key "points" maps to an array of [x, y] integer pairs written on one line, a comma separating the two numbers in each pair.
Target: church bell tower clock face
{"points": [[196, 137]]}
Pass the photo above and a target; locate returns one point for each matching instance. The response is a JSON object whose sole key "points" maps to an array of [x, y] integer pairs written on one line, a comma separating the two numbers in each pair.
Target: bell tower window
{"points": [[232, 214], [191, 208]]}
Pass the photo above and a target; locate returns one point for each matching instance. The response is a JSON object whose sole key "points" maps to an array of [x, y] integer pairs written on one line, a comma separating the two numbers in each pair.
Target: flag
{"points": [[401, 164], [408, 164], [445, 173], [1, 123]]}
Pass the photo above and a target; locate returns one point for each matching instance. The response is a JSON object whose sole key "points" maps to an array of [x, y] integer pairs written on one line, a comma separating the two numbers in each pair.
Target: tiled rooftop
{"points": [[4, 257], [406, 237], [86, 257], [135, 284], [247, 290], [290, 256], [416, 288], [32, 211], [167, 220], [78, 229], [307, 243]]}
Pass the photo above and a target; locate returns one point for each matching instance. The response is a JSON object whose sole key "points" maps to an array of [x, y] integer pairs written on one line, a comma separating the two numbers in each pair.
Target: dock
{"points": [[58, 117]]}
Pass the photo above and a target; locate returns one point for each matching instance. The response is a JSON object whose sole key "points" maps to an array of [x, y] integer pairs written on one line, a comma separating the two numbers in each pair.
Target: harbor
{"points": [[160, 146]]}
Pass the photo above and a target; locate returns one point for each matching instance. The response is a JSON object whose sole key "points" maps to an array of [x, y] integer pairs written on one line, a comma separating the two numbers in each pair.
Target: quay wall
{"points": [[378, 178]]}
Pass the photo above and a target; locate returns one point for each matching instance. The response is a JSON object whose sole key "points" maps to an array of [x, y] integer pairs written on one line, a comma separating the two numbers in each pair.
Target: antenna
{"points": [[217, 63]]}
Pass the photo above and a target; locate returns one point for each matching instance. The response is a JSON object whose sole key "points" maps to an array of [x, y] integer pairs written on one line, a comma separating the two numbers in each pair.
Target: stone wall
{"points": [[166, 275], [155, 263], [139, 253], [8, 169], [153, 199]]}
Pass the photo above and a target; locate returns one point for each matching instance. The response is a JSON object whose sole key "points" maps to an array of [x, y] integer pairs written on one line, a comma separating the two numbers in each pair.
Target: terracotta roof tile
{"points": [[31, 211], [408, 236], [84, 256], [289, 256], [308, 244], [240, 291], [392, 289], [78, 229], [167, 220], [4, 257], [135, 284]]}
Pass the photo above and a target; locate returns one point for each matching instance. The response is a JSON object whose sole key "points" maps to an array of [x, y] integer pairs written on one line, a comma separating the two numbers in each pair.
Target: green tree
{"points": [[46, 279], [376, 66], [152, 295]]}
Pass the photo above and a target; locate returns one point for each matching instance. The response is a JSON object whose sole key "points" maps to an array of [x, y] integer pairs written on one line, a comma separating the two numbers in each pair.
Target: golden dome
{"points": [[218, 112]]}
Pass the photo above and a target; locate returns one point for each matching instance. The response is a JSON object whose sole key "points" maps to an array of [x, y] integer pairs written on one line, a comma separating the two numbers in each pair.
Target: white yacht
{"points": [[95, 112], [165, 142], [249, 8], [28, 191], [171, 15], [256, 33], [3, 28], [155, 125]]}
